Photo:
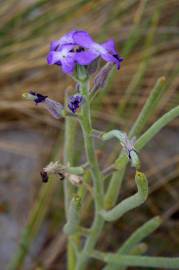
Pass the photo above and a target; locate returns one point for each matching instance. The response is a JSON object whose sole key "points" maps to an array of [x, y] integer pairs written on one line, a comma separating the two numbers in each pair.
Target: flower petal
{"points": [[54, 57], [54, 44], [67, 47], [86, 58], [110, 58], [66, 39], [68, 65], [109, 46], [82, 38]]}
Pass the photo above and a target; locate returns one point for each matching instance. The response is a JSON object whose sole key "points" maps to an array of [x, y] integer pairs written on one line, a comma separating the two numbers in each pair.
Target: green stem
{"points": [[140, 261], [131, 202], [132, 242], [115, 185], [149, 107], [90, 150], [139, 235], [96, 177], [121, 162], [156, 127], [69, 156]]}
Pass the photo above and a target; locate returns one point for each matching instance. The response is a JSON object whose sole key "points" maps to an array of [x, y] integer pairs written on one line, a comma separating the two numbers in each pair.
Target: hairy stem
{"points": [[96, 177], [138, 236], [121, 162], [131, 202], [156, 127], [140, 261], [149, 107], [69, 155]]}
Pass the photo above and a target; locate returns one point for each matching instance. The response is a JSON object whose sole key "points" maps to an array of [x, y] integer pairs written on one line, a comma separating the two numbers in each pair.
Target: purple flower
{"points": [[63, 51], [52, 106], [77, 47], [63, 57], [93, 50], [66, 39], [75, 102]]}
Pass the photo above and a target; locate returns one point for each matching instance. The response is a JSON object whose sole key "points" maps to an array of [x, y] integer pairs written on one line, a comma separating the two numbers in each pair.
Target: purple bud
{"points": [[38, 98], [54, 108], [75, 102], [51, 105], [102, 77]]}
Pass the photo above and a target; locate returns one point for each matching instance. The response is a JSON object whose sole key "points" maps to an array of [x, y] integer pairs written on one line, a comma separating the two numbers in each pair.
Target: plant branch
{"points": [[132, 242], [139, 261], [98, 222], [131, 202]]}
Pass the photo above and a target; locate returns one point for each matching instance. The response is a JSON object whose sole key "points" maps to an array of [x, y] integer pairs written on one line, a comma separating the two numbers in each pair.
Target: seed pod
{"points": [[73, 218]]}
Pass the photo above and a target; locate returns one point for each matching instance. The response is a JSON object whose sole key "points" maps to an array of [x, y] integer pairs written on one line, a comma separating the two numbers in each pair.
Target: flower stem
{"points": [[69, 155], [131, 202], [135, 238], [98, 222], [121, 162], [140, 261]]}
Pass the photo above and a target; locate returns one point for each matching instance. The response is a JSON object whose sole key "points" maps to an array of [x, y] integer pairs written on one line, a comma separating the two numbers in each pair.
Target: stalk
{"points": [[121, 162], [135, 238], [98, 222], [130, 203], [140, 261], [69, 155]]}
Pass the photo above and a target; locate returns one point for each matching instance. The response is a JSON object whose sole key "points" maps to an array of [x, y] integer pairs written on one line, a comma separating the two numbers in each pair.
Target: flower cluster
{"points": [[77, 54], [77, 47]]}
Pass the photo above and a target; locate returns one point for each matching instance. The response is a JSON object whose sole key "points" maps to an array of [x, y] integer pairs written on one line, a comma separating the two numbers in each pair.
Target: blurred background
{"points": [[147, 36]]}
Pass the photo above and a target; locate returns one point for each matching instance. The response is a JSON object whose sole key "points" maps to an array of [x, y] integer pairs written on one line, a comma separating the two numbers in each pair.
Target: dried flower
{"points": [[52, 106], [128, 146], [55, 168], [75, 179], [74, 102], [44, 176]]}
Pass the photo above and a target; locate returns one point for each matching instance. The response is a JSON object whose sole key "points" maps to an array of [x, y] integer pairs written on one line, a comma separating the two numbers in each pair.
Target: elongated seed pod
{"points": [[73, 216]]}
